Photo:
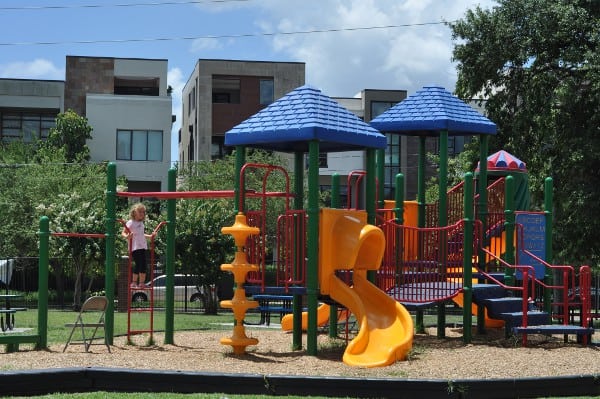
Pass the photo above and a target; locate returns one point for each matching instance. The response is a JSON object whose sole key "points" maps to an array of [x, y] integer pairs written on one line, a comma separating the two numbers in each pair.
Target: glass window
{"points": [[379, 107], [139, 145], [391, 163], [25, 126], [267, 91], [155, 145]]}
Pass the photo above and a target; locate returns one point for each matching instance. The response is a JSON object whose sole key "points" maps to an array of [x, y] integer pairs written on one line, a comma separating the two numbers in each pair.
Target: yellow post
{"points": [[240, 268]]}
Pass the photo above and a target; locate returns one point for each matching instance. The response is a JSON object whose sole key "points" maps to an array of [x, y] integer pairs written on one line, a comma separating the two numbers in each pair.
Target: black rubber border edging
{"points": [[70, 380]]}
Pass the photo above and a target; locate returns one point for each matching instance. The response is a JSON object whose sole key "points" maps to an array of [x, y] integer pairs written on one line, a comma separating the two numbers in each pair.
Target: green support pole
{"points": [[467, 259], [399, 199], [380, 183], [482, 216], [335, 203], [509, 227], [419, 317], [312, 286], [298, 204], [240, 160], [548, 277], [170, 266], [44, 234], [109, 276], [370, 205], [442, 222], [421, 183]]}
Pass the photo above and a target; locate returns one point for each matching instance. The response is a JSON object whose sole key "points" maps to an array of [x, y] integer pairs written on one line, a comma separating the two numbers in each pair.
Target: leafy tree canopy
{"points": [[537, 65], [70, 134]]}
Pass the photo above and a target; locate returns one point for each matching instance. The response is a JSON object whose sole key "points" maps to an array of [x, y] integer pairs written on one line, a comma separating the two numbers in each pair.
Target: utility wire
{"points": [[232, 36], [146, 4]]}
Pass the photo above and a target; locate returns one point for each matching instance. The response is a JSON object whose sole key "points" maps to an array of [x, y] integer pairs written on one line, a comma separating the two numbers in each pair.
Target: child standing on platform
{"points": [[134, 231]]}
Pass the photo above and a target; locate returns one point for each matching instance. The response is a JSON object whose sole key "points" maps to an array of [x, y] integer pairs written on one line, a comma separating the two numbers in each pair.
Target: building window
{"points": [[456, 145], [137, 86], [139, 145], [392, 163], [226, 90], [323, 160], [26, 126], [267, 91], [379, 107]]}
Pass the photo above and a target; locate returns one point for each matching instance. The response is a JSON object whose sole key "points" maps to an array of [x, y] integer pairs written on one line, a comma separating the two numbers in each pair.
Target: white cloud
{"points": [[343, 63], [36, 69], [204, 44]]}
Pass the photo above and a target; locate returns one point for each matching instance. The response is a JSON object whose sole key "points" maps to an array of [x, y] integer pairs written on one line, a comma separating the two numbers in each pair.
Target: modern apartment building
{"points": [[28, 108], [128, 104], [220, 94]]}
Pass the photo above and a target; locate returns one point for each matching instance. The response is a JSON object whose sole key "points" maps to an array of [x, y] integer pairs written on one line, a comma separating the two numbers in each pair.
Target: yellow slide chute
{"points": [[385, 327]]}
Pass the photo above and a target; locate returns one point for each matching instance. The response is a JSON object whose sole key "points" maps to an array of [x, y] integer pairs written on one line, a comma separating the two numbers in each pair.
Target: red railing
{"points": [[422, 265]]}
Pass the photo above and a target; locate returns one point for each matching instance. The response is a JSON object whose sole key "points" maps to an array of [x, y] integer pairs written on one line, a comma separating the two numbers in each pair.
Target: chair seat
{"points": [[93, 306]]}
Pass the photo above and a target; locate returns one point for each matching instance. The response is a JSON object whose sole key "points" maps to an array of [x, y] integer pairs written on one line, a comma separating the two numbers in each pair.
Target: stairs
{"points": [[500, 305]]}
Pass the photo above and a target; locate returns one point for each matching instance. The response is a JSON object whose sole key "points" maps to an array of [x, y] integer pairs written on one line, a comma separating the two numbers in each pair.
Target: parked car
{"points": [[186, 288]]}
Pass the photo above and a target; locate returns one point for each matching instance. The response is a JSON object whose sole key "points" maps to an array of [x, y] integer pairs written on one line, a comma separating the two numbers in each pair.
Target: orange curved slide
{"points": [[287, 322], [385, 326]]}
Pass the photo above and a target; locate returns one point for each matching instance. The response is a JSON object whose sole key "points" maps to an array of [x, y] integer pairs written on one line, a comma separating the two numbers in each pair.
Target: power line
{"points": [[145, 4], [231, 36]]}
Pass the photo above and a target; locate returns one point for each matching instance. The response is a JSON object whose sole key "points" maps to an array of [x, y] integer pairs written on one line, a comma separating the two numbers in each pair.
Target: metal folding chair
{"points": [[95, 305]]}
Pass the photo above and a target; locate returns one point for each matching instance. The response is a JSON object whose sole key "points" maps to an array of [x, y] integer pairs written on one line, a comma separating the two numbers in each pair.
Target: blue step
{"points": [[534, 318], [497, 306], [481, 292], [550, 329]]}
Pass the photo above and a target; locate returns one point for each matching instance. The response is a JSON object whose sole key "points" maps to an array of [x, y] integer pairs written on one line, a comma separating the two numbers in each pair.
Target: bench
{"points": [[10, 317], [268, 304]]}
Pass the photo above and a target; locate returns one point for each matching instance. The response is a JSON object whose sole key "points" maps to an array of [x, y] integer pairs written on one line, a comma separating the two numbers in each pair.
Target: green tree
{"points": [[201, 247], [71, 133], [537, 65]]}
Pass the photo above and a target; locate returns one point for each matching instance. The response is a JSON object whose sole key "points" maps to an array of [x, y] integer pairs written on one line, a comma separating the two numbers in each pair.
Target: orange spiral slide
{"points": [[385, 327]]}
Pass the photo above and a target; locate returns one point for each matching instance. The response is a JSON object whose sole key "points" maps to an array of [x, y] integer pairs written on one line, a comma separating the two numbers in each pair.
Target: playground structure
{"points": [[391, 265]]}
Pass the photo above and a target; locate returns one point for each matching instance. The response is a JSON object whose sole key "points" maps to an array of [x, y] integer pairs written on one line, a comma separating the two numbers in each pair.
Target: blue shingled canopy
{"points": [[430, 110], [303, 115]]}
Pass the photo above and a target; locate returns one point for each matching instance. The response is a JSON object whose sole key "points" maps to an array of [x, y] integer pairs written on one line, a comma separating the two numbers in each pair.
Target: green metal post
{"points": [[421, 184], [298, 204], [482, 216], [370, 205], [380, 168], [44, 234], [467, 259], [170, 266], [240, 160], [548, 277], [509, 227], [109, 276], [335, 203], [399, 199], [419, 316], [312, 286], [443, 221]]}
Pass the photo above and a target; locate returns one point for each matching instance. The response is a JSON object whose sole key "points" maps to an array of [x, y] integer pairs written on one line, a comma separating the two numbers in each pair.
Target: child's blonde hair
{"points": [[135, 208]]}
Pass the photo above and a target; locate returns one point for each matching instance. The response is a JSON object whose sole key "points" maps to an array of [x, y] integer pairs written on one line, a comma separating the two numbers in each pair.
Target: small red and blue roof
{"points": [[503, 160]]}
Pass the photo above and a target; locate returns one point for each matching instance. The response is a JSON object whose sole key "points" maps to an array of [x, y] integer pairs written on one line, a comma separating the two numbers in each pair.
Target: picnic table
{"points": [[268, 304], [7, 313]]}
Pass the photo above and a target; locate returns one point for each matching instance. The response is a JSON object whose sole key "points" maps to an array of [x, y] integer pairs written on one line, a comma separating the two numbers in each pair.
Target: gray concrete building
{"points": [[28, 108], [220, 94], [128, 104]]}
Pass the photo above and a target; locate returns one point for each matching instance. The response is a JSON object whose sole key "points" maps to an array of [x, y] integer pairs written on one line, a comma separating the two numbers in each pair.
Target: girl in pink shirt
{"points": [[135, 232]]}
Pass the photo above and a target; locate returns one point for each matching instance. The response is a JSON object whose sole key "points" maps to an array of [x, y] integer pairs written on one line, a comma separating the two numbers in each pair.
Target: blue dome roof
{"points": [[430, 110], [303, 115]]}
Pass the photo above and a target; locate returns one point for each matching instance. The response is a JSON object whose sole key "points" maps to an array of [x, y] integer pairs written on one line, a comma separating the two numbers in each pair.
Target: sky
{"points": [[347, 45]]}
